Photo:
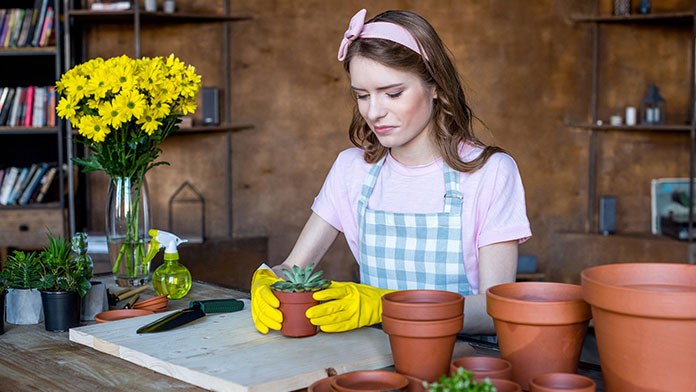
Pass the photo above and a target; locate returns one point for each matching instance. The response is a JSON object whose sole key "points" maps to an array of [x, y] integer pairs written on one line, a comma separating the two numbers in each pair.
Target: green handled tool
{"points": [[196, 310]]}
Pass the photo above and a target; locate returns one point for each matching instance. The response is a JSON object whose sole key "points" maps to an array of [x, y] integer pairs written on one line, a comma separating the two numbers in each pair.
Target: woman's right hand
{"points": [[264, 305]]}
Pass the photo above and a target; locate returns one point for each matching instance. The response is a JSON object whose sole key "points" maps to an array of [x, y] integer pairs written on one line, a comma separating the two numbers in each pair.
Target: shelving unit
{"points": [[683, 19], [25, 226], [76, 18]]}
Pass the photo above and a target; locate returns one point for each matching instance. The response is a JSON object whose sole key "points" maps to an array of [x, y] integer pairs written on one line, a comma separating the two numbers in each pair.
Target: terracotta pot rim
{"points": [[529, 312], [619, 298], [420, 329], [398, 381], [392, 297], [503, 363], [295, 298], [539, 379]]}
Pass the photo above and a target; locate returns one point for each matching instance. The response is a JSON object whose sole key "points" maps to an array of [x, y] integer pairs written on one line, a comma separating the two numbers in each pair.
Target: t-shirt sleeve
{"points": [[504, 213], [326, 203]]}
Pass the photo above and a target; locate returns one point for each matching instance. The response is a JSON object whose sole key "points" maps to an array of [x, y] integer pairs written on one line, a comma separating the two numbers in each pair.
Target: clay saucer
{"points": [[155, 309], [154, 300], [323, 385], [120, 314]]}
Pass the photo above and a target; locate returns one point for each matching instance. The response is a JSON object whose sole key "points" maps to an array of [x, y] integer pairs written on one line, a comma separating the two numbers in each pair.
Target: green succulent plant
{"points": [[62, 269], [21, 271], [301, 280], [461, 381]]}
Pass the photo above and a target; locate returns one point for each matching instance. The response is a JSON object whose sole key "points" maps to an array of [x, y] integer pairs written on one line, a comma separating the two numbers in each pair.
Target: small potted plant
{"points": [[296, 296], [65, 279], [464, 381], [22, 275]]}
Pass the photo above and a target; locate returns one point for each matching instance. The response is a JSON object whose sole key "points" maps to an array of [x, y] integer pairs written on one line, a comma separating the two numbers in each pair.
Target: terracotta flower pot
{"points": [[502, 385], [293, 306], [422, 349], [369, 380], [645, 324], [562, 382], [422, 305], [415, 385], [540, 326], [483, 367], [323, 385]]}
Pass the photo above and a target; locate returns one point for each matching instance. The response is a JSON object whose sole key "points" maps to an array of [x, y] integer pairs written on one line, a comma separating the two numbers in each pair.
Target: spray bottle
{"points": [[170, 278]]}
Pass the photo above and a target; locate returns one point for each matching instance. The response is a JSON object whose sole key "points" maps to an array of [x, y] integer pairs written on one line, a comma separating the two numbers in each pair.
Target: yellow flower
{"points": [[173, 65], [111, 115], [131, 103], [67, 107], [94, 127], [149, 122], [168, 92], [98, 84], [188, 106], [122, 74], [160, 109], [151, 74], [76, 87]]}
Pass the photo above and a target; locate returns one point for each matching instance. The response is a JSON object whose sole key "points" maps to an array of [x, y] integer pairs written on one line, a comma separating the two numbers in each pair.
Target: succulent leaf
{"points": [[301, 280]]}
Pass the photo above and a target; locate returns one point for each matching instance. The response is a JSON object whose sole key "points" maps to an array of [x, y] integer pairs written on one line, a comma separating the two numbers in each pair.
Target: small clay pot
{"points": [[293, 306], [644, 321], [422, 349], [323, 385], [415, 385], [422, 305], [483, 367], [502, 385], [541, 326], [562, 382], [120, 314], [369, 381]]}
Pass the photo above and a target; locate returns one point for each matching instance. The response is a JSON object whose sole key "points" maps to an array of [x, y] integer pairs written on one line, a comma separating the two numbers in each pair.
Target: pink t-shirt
{"points": [[493, 209]]}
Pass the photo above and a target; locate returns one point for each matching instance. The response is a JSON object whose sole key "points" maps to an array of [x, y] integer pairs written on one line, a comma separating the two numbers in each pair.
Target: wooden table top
{"points": [[32, 358]]}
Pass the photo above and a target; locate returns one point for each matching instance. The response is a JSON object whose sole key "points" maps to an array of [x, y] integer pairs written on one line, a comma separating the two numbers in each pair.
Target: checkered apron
{"points": [[401, 251]]}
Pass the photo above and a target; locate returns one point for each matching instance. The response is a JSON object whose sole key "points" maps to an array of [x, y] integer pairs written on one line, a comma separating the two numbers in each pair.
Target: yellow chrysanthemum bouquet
{"points": [[123, 109]]}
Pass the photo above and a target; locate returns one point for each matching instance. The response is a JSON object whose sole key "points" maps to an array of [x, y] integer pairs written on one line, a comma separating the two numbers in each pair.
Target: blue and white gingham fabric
{"points": [[402, 251]]}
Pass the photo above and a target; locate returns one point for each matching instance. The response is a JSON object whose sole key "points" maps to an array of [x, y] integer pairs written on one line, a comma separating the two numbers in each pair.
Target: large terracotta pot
{"points": [[293, 306], [562, 382], [422, 349], [483, 367], [370, 381], [422, 305], [540, 326], [645, 324]]}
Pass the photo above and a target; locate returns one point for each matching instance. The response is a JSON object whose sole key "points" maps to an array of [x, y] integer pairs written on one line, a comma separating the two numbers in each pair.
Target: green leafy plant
{"points": [[62, 270], [461, 381], [301, 280], [21, 271]]}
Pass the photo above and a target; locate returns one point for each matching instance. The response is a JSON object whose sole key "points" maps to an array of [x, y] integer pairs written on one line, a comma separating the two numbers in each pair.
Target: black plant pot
{"points": [[2, 312], [61, 310]]}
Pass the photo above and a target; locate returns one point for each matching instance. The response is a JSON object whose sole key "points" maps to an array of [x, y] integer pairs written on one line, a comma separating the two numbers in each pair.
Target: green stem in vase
{"points": [[117, 264]]}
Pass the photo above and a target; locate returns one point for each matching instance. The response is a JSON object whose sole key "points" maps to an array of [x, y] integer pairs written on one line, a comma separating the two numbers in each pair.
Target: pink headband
{"points": [[384, 30]]}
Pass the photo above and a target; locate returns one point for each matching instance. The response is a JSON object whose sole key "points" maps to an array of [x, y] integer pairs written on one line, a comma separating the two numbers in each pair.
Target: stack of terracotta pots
{"points": [[422, 326], [541, 326], [645, 323]]}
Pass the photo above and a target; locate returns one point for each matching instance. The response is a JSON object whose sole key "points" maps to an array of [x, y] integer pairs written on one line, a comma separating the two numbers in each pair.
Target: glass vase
{"points": [[128, 220]]}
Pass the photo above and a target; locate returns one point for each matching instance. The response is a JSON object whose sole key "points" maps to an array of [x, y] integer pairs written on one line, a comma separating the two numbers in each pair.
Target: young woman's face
{"points": [[396, 105]]}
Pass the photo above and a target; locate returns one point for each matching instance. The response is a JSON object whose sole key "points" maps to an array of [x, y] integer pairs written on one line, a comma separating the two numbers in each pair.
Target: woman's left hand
{"points": [[350, 306]]}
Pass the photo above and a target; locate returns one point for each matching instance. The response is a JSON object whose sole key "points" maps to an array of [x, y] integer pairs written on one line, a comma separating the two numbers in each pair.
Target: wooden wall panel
{"points": [[526, 69]]}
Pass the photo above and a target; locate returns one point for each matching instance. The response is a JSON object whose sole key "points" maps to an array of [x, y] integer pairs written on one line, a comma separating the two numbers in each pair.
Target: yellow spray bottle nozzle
{"points": [[154, 247]]}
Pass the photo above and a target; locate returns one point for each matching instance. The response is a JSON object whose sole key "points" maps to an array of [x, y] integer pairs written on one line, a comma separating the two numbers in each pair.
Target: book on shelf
{"points": [[29, 185], [2, 175], [8, 183], [23, 27], [32, 106]]}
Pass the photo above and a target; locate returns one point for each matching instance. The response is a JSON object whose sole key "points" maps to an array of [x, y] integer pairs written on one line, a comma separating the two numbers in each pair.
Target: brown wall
{"points": [[527, 70]]}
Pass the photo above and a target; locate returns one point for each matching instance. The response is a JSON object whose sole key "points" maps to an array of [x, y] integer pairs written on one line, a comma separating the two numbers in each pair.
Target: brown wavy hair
{"points": [[451, 115]]}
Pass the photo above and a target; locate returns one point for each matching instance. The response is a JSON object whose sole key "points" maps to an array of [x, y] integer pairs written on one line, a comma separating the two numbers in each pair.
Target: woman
{"points": [[412, 129]]}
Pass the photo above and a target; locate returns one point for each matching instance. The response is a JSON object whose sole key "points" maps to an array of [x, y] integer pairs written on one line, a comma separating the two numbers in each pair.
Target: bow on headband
{"points": [[384, 30]]}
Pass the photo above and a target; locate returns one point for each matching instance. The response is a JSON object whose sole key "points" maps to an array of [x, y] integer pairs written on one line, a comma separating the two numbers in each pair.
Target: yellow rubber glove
{"points": [[351, 305], [264, 305]]}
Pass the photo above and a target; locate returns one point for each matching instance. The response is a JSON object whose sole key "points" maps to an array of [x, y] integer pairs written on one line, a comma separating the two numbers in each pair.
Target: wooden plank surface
{"points": [[224, 352]]}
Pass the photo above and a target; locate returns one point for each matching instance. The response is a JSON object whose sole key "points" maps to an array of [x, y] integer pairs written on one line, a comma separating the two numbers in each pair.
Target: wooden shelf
{"points": [[54, 205], [157, 17], [633, 128], [215, 128], [684, 17], [29, 51], [27, 130]]}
